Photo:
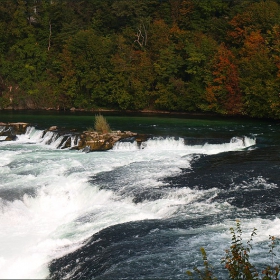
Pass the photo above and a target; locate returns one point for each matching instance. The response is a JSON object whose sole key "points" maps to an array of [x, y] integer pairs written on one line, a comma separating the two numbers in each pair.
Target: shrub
{"points": [[237, 260], [101, 125], [207, 273], [90, 129]]}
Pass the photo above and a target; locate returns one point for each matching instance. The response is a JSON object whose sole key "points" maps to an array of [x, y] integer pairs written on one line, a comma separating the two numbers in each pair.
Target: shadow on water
{"points": [[135, 250], [148, 249]]}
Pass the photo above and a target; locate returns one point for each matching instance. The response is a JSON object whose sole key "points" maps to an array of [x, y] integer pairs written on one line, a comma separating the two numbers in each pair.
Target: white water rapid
{"points": [[49, 205]]}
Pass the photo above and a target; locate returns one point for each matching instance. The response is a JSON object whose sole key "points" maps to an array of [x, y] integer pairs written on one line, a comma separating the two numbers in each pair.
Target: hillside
{"points": [[220, 56]]}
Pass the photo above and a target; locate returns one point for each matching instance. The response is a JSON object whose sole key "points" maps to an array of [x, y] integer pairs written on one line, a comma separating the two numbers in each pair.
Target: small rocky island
{"points": [[96, 141], [87, 141]]}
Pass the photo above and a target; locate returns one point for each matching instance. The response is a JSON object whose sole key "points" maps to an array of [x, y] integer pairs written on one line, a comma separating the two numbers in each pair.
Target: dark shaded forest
{"points": [[218, 56]]}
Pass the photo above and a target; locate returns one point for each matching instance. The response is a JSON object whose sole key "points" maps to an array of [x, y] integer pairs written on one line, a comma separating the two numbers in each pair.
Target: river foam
{"points": [[50, 203]]}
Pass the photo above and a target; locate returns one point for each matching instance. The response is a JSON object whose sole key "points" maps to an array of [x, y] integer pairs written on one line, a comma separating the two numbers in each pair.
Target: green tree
{"points": [[259, 81], [85, 65], [170, 86], [133, 81], [200, 50]]}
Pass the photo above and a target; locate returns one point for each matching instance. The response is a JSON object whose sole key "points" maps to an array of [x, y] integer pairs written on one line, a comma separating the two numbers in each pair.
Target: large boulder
{"points": [[93, 141]]}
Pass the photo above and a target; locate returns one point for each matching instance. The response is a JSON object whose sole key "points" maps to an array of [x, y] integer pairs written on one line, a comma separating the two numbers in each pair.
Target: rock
{"points": [[19, 127], [86, 149], [52, 128], [102, 142], [12, 129], [89, 141], [11, 138]]}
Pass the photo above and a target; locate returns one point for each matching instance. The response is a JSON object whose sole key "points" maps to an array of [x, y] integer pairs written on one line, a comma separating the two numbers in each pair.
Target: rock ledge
{"points": [[89, 141], [94, 141]]}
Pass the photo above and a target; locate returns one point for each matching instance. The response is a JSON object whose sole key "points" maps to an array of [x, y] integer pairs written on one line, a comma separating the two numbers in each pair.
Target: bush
{"points": [[101, 125], [237, 260]]}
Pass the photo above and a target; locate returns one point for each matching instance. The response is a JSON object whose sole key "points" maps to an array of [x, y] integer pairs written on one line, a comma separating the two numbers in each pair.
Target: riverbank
{"points": [[105, 110]]}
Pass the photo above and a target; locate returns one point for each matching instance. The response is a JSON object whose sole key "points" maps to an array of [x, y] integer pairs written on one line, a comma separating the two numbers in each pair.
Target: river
{"points": [[136, 212]]}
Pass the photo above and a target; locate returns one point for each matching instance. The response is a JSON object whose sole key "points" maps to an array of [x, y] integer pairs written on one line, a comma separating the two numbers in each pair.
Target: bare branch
{"points": [[141, 39]]}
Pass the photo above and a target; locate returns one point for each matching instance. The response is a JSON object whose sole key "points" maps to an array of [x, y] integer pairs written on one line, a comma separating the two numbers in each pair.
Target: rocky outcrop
{"points": [[88, 141], [11, 130], [93, 141]]}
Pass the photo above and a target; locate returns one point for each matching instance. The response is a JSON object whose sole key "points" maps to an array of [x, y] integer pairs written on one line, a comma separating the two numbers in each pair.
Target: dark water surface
{"points": [[138, 213], [157, 124]]}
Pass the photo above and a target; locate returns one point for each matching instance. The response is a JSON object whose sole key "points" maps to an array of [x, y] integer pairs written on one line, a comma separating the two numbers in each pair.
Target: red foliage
{"points": [[238, 24], [223, 92], [253, 43]]}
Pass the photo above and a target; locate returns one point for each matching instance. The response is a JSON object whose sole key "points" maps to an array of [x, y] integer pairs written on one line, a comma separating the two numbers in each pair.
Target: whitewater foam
{"points": [[64, 211], [66, 208], [51, 139], [174, 144]]}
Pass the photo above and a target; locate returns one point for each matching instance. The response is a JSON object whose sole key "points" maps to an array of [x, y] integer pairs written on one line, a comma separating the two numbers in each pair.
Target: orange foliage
{"points": [[253, 43], [186, 8], [239, 23], [224, 91]]}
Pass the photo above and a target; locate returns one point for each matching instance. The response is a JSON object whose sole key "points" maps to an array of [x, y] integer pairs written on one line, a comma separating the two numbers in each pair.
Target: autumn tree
{"points": [[223, 92], [176, 55], [259, 81]]}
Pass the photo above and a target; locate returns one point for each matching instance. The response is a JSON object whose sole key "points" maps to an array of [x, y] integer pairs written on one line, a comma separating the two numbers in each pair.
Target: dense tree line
{"points": [[219, 56]]}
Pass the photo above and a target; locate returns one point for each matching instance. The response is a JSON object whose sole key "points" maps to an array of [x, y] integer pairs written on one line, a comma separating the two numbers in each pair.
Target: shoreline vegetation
{"points": [[237, 260], [104, 110], [173, 56]]}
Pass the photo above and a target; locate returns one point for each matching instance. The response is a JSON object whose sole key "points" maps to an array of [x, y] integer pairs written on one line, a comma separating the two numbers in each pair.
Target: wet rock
{"points": [[11, 130], [11, 138], [102, 142], [88, 141], [52, 128]]}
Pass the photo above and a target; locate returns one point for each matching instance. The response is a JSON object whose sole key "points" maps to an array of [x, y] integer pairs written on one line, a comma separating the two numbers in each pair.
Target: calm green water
{"points": [[163, 125]]}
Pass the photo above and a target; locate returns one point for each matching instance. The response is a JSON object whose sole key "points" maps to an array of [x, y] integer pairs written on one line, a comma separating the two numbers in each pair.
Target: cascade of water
{"points": [[58, 142], [52, 201], [2, 128], [33, 134], [49, 138], [74, 140], [171, 143]]}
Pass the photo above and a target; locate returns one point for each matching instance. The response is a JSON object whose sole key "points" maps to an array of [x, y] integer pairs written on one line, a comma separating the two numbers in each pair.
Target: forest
{"points": [[215, 56]]}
